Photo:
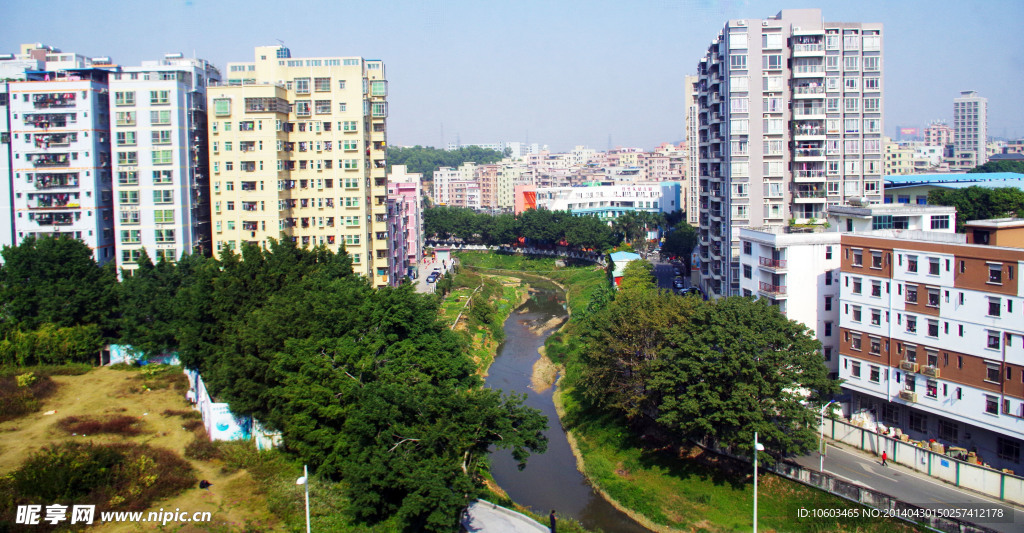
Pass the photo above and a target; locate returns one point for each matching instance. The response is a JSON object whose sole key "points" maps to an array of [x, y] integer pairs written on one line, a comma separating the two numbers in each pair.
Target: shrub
{"points": [[92, 425], [17, 400], [193, 424], [187, 414], [201, 448]]}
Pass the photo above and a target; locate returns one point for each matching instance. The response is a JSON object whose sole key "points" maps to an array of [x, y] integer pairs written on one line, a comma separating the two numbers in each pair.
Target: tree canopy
{"points": [[999, 166], [979, 203], [427, 159], [537, 225], [679, 242]]}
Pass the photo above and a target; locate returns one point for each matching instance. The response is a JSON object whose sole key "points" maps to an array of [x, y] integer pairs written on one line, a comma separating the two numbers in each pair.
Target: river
{"points": [[550, 480]]}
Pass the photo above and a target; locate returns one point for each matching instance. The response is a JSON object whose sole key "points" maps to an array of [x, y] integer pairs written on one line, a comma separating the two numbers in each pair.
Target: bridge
{"points": [[485, 517]]}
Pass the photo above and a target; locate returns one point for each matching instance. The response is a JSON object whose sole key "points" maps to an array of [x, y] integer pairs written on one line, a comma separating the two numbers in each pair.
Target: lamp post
{"points": [[758, 447], [821, 441], [304, 480]]}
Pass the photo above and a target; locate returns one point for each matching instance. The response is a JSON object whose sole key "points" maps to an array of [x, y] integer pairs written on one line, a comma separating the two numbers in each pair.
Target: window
{"points": [[747, 248], [949, 431], [940, 222], [302, 85], [876, 288], [876, 317], [771, 61], [911, 324], [872, 105], [161, 136], [858, 257], [828, 329], [874, 374], [828, 252], [163, 197], [912, 263], [911, 353], [771, 41], [855, 369], [995, 274], [128, 197], [321, 85], [125, 118], [933, 297], [739, 105], [129, 217], [130, 256], [378, 88], [163, 216], [128, 178], [160, 118], [851, 84], [994, 306], [856, 286], [738, 61], [991, 404], [851, 125], [739, 126], [933, 328], [739, 84], [1008, 449], [162, 157], [831, 62], [747, 272], [828, 303], [127, 158], [871, 64], [349, 125], [851, 105], [918, 421], [133, 236], [322, 107], [993, 340], [124, 98], [875, 345], [876, 259], [159, 97], [851, 63], [933, 266], [164, 236], [162, 177]]}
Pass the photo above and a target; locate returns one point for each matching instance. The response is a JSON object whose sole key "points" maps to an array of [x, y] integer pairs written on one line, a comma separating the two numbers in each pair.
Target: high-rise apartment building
{"points": [[790, 121], [692, 148], [297, 148], [970, 124], [57, 144], [161, 173]]}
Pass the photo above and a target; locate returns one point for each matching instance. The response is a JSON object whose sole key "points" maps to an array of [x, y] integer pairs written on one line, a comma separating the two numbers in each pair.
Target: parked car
{"points": [[678, 283]]}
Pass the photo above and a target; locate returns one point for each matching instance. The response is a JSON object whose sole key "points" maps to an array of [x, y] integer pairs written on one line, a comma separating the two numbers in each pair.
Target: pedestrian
{"points": [[885, 456], [553, 519]]}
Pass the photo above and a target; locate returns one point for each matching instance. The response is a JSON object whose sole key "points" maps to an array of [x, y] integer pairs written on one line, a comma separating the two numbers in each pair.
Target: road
{"points": [[425, 268], [663, 272], [909, 486]]}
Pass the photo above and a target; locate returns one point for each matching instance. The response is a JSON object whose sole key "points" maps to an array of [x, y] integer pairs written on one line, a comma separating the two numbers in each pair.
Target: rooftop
{"points": [[870, 210], [998, 223], [951, 177]]}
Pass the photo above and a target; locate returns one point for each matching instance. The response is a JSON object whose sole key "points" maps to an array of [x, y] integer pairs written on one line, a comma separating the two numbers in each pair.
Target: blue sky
{"points": [[556, 72]]}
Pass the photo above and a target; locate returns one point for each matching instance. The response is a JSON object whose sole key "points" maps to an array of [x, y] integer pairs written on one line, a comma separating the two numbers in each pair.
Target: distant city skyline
{"points": [[558, 73]]}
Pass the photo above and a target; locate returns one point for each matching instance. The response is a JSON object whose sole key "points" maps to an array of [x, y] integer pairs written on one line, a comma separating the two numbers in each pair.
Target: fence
{"points": [[960, 473]]}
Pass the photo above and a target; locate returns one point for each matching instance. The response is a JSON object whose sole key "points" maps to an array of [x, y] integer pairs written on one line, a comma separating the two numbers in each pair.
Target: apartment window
{"points": [[771, 61], [162, 157], [165, 236], [876, 288], [918, 421], [349, 125], [855, 369], [129, 217], [912, 263], [301, 85], [876, 317], [827, 353], [995, 274], [940, 222], [995, 306], [321, 85], [322, 107], [131, 256], [855, 313], [747, 272], [124, 98], [851, 125], [159, 97], [851, 84], [125, 118], [911, 294], [828, 252], [991, 404], [871, 63], [828, 329], [163, 177], [993, 342], [128, 197], [739, 84], [160, 118], [831, 62], [911, 352], [161, 136], [933, 328], [128, 178], [133, 236], [911, 324], [874, 374], [872, 105], [851, 105], [378, 88], [856, 286], [875, 345], [858, 257], [739, 126], [739, 105], [302, 109], [933, 297], [828, 303], [949, 431], [738, 61], [871, 84], [163, 216], [933, 266], [163, 197]]}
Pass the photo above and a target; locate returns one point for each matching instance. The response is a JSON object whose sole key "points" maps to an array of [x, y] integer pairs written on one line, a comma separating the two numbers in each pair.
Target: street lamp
{"points": [[758, 447], [304, 480], [821, 441]]}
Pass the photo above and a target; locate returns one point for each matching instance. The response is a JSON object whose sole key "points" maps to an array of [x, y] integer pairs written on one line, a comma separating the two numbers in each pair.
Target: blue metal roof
{"points": [[951, 177], [618, 257], [995, 184]]}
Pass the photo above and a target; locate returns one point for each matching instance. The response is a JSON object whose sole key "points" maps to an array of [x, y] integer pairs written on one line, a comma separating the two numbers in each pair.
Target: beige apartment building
{"points": [[297, 148]]}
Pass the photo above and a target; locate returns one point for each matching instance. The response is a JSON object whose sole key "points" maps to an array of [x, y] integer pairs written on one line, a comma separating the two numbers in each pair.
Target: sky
{"points": [[560, 73]]}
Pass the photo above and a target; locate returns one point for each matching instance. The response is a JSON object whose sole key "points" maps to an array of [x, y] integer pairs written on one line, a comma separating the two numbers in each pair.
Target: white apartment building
{"points": [[161, 172], [970, 125], [57, 144], [605, 201], [692, 149], [932, 335], [790, 121]]}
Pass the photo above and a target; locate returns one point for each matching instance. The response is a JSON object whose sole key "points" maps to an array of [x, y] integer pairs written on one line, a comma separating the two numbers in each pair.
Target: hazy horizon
{"points": [[555, 73]]}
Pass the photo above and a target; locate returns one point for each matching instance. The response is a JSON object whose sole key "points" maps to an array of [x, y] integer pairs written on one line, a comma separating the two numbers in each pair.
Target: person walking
{"points": [[885, 456], [553, 519]]}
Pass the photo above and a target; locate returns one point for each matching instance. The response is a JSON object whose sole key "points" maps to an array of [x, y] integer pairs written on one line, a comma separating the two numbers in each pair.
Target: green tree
{"points": [[56, 280], [680, 242], [999, 166], [426, 159], [979, 203], [737, 366], [633, 227]]}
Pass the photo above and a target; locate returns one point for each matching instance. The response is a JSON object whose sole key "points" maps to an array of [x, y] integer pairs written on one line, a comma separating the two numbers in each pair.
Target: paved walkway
{"points": [[484, 516]]}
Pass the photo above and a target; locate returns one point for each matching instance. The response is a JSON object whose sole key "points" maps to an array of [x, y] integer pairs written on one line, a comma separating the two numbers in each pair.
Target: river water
{"points": [[550, 480]]}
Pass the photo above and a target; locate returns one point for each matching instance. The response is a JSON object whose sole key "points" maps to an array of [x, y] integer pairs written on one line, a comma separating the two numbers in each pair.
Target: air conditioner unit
{"points": [[908, 366], [908, 396]]}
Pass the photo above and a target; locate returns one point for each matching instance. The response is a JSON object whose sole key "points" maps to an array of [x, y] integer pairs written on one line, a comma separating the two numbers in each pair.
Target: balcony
{"points": [[248, 206], [809, 154], [908, 366], [809, 175], [771, 290], [53, 181], [55, 219], [50, 120], [808, 194], [809, 71], [808, 49], [49, 160], [49, 140], [55, 201], [930, 371], [775, 264], [809, 112], [809, 91], [53, 100], [908, 396]]}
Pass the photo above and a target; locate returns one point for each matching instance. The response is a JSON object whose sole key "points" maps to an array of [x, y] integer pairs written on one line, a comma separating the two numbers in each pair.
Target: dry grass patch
{"points": [[128, 426]]}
